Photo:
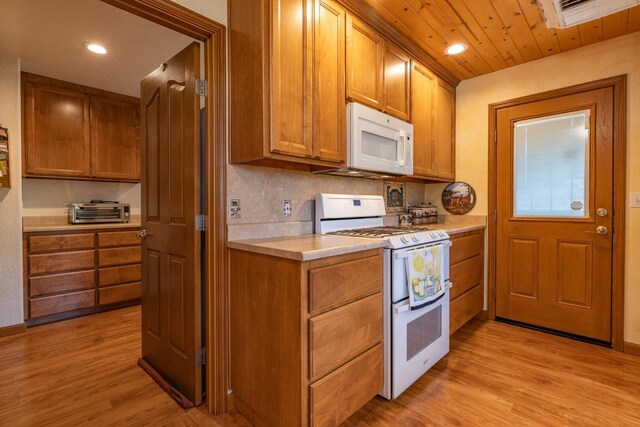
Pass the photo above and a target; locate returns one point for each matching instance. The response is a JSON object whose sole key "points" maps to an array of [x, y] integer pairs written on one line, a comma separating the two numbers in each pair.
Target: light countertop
{"points": [[307, 247], [314, 246], [34, 224]]}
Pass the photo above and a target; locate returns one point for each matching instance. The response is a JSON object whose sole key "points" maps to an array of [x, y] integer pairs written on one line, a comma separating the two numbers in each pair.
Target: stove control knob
{"points": [[404, 239], [415, 238]]}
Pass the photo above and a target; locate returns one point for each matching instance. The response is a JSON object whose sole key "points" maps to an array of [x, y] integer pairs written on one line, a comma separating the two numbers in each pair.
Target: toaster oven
{"points": [[89, 213]]}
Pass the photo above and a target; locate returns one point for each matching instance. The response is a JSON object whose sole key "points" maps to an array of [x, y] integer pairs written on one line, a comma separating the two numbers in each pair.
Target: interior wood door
{"points": [[554, 213], [56, 131], [171, 300], [115, 142]]}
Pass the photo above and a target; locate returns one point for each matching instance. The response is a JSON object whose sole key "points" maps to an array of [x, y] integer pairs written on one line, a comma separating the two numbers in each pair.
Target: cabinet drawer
{"points": [[466, 275], [118, 293], [64, 282], [121, 274], [465, 247], [61, 242], [336, 285], [463, 308], [60, 303], [52, 263], [337, 396], [339, 335], [118, 256], [118, 238]]}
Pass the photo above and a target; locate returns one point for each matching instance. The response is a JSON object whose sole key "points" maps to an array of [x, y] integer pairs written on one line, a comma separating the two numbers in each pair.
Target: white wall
{"points": [[212, 9], [10, 207], [597, 61], [47, 197]]}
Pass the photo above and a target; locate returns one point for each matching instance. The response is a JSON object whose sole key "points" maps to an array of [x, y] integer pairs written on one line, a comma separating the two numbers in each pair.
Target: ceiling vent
{"points": [[567, 13]]}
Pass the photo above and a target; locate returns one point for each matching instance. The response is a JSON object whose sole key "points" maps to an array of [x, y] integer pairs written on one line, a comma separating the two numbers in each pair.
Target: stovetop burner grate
{"points": [[377, 232]]}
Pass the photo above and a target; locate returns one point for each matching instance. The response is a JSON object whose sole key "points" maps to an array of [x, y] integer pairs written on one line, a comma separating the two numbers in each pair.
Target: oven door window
{"points": [[423, 331]]}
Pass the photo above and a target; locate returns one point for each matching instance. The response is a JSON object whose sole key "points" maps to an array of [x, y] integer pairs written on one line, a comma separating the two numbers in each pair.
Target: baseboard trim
{"points": [[7, 331], [631, 348], [483, 315]]}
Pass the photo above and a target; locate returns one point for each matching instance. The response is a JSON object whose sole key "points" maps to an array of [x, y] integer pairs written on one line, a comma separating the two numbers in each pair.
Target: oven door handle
{"points": [[407, 307]]}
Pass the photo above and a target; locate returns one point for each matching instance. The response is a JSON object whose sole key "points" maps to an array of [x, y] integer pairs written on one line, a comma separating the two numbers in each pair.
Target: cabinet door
{"points": [[115, 143], [56, 137], [445, 131], [291, 68], [365, 52], [422, 114], [397, 82], [329, 110]]}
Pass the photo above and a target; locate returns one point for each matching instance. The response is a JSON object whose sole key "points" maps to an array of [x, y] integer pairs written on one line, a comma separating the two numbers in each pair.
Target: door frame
{"points": [[619, 85], [213, 36]]}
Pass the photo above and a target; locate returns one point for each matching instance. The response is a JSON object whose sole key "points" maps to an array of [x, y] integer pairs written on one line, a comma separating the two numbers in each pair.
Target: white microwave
{"points": [[378, 145]]}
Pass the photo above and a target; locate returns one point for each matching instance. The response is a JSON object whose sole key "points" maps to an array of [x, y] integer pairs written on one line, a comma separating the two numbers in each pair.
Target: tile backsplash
{"points": [[262, 192]]}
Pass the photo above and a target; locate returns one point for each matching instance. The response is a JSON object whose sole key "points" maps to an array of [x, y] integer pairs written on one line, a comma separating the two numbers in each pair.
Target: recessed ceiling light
{"points": [[96, 48], [455, 49]]}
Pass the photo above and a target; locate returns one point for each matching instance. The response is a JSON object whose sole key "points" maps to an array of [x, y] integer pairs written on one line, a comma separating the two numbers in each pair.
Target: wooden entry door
{"points": [[171, 300], [554, 213]]}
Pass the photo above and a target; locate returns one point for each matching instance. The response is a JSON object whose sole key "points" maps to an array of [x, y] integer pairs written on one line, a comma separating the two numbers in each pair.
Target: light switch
{"points": [[635, 199]]}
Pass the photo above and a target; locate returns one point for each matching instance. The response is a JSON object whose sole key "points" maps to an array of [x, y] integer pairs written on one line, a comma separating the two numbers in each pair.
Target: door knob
{"points": [[602, 230], [142, 234], [602, 212]]}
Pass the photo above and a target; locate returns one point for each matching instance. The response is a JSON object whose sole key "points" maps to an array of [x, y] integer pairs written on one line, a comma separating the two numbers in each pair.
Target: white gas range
{"points": [[416, 284]]}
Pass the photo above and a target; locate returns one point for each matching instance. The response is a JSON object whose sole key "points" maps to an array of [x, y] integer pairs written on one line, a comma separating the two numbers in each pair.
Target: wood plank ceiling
{"points": [[499, 33]]}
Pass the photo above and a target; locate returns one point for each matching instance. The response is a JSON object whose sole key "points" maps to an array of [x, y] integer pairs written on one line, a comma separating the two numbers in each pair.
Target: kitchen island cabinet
{"points": [[306, 336], [69, 274], [78, 132]]}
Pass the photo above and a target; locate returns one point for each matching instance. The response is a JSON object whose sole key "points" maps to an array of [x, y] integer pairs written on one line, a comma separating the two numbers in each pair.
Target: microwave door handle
{"points": [[402, 148]]}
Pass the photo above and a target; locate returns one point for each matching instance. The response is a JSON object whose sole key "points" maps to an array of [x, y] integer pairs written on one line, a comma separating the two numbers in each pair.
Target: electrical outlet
{"points": [[635, 199], [286, 208], [234, 209]]}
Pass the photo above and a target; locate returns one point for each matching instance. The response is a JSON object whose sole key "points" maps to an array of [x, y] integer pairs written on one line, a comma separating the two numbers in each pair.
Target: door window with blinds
{"points": [[551, 166]]}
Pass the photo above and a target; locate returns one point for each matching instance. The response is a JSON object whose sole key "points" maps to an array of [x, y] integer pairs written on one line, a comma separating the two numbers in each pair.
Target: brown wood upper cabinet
{"points": [[115, 146], [286, 62], [433, 118], [74, 131], [378, 72]]}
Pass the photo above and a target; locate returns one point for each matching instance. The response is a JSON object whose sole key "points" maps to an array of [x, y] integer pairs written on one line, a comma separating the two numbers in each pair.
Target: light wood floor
{"points": [[84, 372]]}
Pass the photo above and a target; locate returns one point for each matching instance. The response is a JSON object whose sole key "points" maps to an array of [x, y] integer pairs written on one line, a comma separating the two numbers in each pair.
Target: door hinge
{"points": [[495, 136], [201, 222], [201, 87], [201, 357]]}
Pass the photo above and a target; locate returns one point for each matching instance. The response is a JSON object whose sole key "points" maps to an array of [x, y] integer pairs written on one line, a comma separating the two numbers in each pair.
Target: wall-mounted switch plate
{"points": [[286, 208], [234, 209], [635, 199]]}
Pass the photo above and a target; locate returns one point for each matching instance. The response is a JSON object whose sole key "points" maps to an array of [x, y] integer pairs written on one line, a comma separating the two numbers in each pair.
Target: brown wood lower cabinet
{"points": [[306, 337], [467, 277], [75, 273]]}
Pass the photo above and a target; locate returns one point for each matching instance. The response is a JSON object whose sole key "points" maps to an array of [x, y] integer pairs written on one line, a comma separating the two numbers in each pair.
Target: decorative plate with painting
{"points": [[458, 198]]}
